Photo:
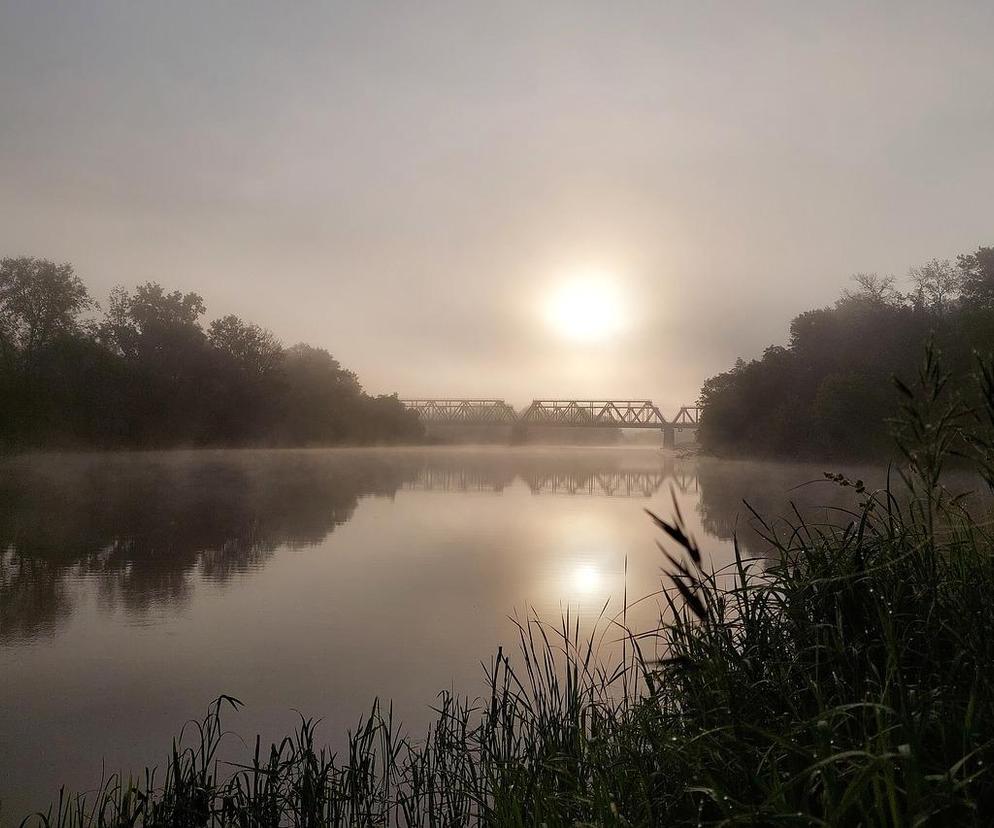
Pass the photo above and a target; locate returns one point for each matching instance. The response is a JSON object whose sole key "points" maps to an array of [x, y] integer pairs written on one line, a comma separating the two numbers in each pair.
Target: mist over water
{"points": [[135, 588]]}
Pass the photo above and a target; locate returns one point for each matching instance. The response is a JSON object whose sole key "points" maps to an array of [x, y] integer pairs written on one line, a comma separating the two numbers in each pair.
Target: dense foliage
{"points": [[849, 682], [146, 373], [828, 391]]}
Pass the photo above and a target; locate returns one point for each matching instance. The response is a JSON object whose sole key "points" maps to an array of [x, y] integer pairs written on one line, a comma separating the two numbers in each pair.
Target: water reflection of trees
{"points": [[726, 486], [139, 525], [783, 494]]}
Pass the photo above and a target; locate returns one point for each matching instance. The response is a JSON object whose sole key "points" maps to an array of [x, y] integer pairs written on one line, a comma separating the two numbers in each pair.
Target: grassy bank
{"points": [[847, 680]]}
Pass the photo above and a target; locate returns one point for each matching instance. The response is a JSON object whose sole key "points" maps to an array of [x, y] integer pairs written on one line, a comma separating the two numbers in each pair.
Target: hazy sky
{"points": [[407, 184]]}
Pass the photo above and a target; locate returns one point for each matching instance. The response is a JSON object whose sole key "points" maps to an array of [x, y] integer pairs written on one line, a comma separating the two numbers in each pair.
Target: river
{"points": [[135, 588]]}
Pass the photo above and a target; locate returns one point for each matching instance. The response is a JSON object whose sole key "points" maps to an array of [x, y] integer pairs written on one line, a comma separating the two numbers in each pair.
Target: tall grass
{"points": [[847, 680]]}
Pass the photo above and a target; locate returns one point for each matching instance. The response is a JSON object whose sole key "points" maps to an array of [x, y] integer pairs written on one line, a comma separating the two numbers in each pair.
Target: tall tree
{"points": [[254, 349], [171, 370], [151, 323], [248, 381], [41, 308], [39, 301], [977, 273], [322, 398], [936, 286]]}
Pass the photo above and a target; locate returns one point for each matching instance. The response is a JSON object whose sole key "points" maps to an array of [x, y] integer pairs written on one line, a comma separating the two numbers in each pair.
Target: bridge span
{"points": [[556, 413]]}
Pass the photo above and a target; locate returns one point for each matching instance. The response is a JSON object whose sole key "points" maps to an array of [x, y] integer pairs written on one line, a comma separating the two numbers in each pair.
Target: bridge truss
{"points": [[463, 412], [556, 413], [687, 417], [594, 413]]}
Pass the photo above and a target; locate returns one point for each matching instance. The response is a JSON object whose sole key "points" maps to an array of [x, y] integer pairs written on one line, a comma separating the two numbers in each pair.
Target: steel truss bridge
{"points": [[556, 413]]}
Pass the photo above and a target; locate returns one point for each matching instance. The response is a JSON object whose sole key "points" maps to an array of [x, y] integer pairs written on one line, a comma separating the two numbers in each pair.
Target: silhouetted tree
{"points": [[148, 374], [977, 274], [248, 381], [872, 290], [39, 301], [171, 369], [255, 350], [321, 399], [828, 392], [937, 285], [41, 308]]}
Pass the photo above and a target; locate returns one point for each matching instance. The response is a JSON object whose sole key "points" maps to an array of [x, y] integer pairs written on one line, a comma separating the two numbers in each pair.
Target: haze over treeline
{"points": [[830, 391], [144, 371], [405, 185]]}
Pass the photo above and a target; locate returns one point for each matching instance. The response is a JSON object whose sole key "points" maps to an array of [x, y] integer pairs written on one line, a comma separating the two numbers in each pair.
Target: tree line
{"points": [[144, 371], [830, 390]]}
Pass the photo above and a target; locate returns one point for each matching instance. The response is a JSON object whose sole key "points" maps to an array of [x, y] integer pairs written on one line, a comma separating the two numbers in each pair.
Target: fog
{"points": [[404, 185]]}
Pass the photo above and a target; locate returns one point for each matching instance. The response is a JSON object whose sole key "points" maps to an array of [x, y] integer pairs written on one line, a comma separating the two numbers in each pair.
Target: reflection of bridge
{"points": [[608, 484], [435, 479], [603, 482], [557, 413]]}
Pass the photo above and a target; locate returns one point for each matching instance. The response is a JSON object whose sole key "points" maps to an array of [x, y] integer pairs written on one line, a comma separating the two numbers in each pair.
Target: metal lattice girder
{"points": [[688, 416], [594, 413], [467, 412]]}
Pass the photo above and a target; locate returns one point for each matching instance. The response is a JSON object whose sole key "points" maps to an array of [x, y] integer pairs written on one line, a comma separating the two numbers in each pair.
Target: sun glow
{"points": [[586, 579], [586, 308]]}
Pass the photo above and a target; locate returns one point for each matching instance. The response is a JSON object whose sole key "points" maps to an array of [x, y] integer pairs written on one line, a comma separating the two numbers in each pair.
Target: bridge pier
{"points": [[669, 436]]}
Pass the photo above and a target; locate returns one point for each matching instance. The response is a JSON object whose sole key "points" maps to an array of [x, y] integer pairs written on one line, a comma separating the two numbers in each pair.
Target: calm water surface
{"points": [[136, 588]]}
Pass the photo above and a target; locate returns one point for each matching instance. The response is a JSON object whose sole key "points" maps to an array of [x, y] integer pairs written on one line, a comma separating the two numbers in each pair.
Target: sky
{"points": [[512, 199]]}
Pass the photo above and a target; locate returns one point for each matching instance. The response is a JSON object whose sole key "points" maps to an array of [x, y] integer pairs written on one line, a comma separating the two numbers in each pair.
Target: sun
{"points": [[586, 307], [586, 579]]}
